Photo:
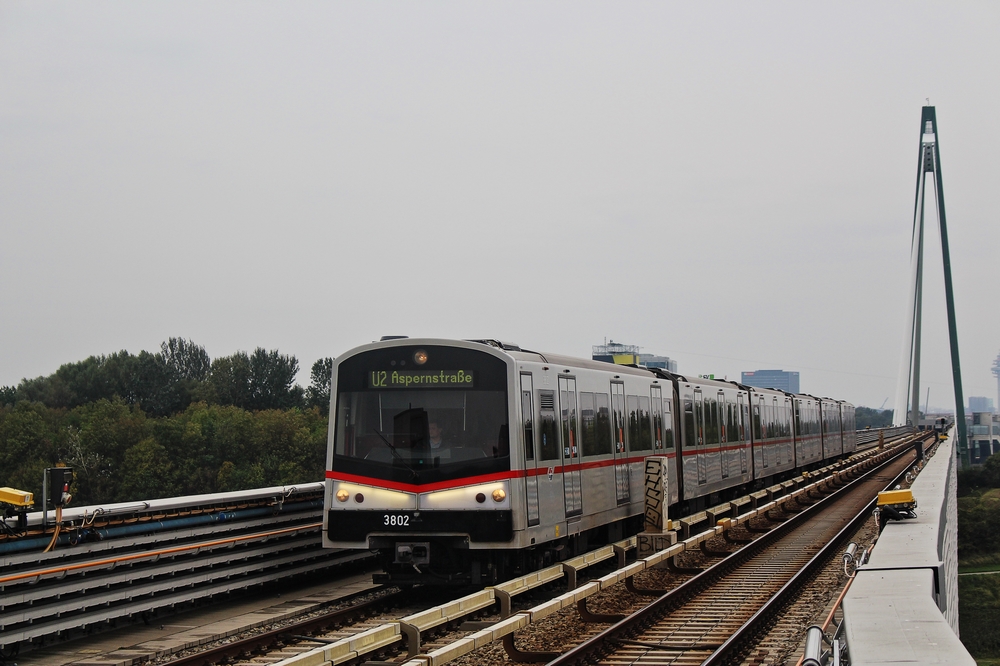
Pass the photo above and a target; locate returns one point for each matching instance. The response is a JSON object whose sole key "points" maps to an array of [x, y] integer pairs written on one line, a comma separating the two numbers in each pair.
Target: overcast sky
{"points": [[728, 184]]}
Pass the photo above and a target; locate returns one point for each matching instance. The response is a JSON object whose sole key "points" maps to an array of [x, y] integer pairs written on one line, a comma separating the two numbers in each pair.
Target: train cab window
{"points": [[548, 429], [447, 420]]}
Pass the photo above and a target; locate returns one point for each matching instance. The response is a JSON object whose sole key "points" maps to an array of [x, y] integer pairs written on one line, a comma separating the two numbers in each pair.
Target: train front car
{"points": [[419, 458]]}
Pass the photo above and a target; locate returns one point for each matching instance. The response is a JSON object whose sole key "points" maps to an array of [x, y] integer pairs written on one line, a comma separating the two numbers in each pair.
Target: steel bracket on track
{"points": [[525, 656], [642, 591], [587, 616]]}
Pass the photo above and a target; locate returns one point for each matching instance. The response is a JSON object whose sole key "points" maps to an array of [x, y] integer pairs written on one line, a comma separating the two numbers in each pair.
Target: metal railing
{"points": [[116, 561]]}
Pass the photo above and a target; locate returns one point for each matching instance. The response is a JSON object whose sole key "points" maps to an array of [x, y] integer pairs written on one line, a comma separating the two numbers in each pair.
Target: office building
{"points": [[775, 379]]}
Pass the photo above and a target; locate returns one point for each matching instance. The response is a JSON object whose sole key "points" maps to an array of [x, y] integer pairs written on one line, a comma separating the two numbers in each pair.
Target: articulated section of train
{"points": [[474, 461]]}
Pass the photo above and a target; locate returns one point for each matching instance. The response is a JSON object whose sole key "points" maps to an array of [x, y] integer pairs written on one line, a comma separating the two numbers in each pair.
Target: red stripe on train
{"points": [[482, 478], [424, 487]]}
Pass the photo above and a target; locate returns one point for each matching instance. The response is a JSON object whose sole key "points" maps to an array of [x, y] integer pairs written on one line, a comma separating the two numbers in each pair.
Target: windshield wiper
{"points": [[396, 453]]}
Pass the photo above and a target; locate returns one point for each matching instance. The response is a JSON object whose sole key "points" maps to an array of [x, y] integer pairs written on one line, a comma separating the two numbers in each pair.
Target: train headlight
{"points": [[420, 357], [342, 495], [499, 495], [359, 498]]}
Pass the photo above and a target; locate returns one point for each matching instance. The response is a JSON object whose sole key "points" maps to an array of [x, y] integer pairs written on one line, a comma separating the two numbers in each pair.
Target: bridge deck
{"points": [[903, 606]]}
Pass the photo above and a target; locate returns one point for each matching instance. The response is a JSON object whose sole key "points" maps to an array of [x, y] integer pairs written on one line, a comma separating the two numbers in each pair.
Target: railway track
{"points": [[289, 640], [714, 617]]}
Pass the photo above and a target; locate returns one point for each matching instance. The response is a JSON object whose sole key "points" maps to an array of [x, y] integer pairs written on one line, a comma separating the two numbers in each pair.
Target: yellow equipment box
{"points": [[16, 497], [897, 498]]}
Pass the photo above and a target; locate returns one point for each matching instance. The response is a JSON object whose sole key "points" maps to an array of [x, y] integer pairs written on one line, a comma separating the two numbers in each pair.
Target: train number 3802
{"points": [[394, 520]]}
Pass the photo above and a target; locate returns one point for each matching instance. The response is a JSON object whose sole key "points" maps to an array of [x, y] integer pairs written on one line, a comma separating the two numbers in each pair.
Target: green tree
{"points": [[186, 360], [318, 393], [149, 474], [865, 417], [27, 446], [107, 430], [272, 380], [230, 380]]}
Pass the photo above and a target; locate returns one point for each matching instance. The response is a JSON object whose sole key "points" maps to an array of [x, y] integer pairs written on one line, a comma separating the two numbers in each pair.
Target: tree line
{"points": [[170, 423]]}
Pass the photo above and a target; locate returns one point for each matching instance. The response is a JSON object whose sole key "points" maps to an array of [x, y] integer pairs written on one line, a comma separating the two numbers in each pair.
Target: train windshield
{"points": [[421, 415]]}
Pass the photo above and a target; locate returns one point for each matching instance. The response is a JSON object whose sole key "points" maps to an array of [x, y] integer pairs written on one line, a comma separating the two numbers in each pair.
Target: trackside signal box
{"points": [[59, 480]]}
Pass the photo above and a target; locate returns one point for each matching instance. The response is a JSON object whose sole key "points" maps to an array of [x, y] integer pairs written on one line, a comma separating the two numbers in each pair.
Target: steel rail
{"points": [[676, 598], [293, 632], [745, 635]]}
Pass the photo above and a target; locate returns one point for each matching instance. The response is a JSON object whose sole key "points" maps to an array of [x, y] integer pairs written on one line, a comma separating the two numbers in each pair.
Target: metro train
{"points": [[472, 461]]}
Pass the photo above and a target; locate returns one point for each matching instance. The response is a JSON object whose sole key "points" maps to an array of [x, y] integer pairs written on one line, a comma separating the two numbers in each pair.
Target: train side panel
{"points": [[808, 437], [715, 439], [833, 429], [773, 447]]}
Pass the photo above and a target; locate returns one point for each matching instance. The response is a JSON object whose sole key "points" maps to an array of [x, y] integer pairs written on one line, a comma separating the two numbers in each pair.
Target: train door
{"points": [[787, 433], [622, 487], [723, 433], [699, 426], [572, 490], [656, 400], [670, 444], [741, 431], [549, 458], [528, 430]]}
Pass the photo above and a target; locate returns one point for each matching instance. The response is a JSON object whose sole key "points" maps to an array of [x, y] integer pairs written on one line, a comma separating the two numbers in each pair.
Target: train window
{"points": [[588, 428], [689, 429], [567, 402], [527, 417], [632, 405], [699, 419], [732, 421], [602, 424], [618, 415], [668, 425], [757, 435], [723, 423], [644, 440], [548, 430], [711, 421], [741, 422], [657, 404]]}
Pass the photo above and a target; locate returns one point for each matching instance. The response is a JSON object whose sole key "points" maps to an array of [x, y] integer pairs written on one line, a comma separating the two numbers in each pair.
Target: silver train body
{"points": [[473, 461]]}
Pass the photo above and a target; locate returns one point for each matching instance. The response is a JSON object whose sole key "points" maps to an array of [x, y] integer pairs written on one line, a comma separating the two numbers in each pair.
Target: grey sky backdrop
{"points": [[729, 184]]}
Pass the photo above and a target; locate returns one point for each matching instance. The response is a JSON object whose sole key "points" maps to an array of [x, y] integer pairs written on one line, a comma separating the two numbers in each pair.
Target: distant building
{"points": [[775, 379], [980, 404], [615, 352], [653, 361]]}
